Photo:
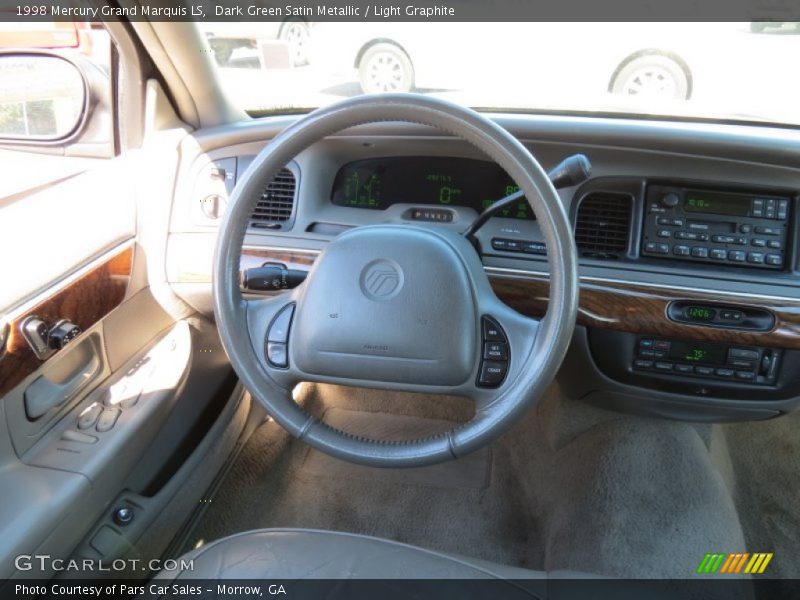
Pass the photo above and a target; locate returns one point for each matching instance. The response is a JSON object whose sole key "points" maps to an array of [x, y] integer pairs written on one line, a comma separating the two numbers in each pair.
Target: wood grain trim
{"points": [[84, 301], [620, 306], [642, 309]]}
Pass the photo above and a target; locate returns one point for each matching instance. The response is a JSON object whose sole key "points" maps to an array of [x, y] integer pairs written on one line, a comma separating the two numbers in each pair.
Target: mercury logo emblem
{"points": [[381, 280]]}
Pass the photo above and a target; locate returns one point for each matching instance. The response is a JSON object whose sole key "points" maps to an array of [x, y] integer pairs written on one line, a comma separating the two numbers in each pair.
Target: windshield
{"points": [[724, 71]]}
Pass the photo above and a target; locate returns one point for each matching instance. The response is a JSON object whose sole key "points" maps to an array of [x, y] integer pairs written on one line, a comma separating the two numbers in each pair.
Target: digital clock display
{"points": [[700, 313], [698, 352], [715, 203]]}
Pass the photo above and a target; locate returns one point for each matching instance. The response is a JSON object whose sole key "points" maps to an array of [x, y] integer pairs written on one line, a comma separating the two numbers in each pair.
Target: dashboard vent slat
{"points": [[277, 200], [603, 223]]}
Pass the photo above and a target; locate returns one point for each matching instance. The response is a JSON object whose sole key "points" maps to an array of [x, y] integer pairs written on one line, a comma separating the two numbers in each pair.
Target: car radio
{"points": [[738, 229]]}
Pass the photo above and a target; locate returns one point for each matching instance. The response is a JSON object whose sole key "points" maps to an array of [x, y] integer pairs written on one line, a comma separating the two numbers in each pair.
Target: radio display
{"points": [[698, 352], [720, 204], [439, 181]]}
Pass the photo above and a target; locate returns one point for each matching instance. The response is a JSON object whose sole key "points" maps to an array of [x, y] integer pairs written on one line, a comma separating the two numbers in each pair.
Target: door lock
{"points": [[45, 340]]}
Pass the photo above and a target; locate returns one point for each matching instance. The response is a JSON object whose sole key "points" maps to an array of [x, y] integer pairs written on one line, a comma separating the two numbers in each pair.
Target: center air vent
{"points": [[274, 208], [602, 227]]}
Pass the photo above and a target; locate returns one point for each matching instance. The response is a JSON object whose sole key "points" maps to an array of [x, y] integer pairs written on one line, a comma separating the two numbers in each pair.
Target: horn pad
{"points": [[388, 303]]}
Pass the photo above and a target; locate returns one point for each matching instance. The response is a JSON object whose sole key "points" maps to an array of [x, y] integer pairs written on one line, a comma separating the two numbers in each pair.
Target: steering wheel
{"points": [[397, 306]]}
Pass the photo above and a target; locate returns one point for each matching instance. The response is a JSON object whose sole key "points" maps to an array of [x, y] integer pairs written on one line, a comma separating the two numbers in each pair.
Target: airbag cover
{"points": [[390, 303]]}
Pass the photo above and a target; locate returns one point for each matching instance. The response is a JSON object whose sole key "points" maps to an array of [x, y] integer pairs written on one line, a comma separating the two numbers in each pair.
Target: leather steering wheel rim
{"points": [[537, 351]]}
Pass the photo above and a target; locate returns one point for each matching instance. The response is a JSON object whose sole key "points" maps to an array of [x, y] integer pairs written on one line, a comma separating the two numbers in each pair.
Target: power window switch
{"points": [[108, 418], [89, 415]]}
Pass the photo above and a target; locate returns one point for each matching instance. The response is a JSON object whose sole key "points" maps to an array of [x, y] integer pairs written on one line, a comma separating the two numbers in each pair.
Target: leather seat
{"points": [[312, 554]]}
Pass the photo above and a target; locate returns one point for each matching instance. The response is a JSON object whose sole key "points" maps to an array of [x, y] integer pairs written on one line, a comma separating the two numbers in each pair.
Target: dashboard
{"points": [[687, 236]]}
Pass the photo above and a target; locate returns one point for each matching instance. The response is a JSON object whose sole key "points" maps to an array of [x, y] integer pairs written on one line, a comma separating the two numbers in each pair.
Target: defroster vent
{"points": [[602, 227], [276, 204]]}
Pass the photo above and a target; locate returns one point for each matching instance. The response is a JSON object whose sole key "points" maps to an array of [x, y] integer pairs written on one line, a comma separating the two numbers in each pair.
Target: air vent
{"points": [[276, 203], [602, 227]]}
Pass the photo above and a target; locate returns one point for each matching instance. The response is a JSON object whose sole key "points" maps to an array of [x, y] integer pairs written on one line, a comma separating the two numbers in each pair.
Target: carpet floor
{"points": [[571, 486]]}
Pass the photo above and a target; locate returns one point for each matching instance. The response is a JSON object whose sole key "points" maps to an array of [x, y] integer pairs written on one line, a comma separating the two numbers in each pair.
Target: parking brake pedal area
{"points": [[120, 415]]}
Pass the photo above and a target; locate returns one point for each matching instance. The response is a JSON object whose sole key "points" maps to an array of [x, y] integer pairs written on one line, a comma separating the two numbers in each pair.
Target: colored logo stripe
{"points": [[734, 562]]}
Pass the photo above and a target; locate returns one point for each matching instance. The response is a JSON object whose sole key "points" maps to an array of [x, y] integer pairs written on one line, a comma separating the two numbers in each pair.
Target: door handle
{"points": [[43, 394]]}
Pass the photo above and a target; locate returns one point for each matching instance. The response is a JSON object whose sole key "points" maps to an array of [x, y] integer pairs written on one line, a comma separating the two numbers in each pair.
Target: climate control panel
{"points": [[744, 364]]}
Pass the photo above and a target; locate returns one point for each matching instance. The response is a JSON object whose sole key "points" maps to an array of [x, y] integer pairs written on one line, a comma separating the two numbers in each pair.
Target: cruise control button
{"points": [[491, 331], [279, 329], [277, 354], [492, 373], [495, 351], [108, 418]]}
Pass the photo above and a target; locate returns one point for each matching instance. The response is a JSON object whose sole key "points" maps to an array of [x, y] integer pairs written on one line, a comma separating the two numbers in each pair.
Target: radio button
{"points": [[723, 239], [718, 254], [745, 228], [704, 371], [700, 252], [755, 258], [664, 233], [727, 373], [656, 248], [776, 260], [665, 366], [670, 199], [758, 242], [669, 222], [745, 375], [736, 256], [684, 368], [643, 364], [681, 250], [768, 230], [774, 244]]}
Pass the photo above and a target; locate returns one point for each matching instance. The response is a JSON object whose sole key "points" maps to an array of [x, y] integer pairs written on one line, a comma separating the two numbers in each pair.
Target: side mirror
{"points": [[56, 101], [42, 97]]}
